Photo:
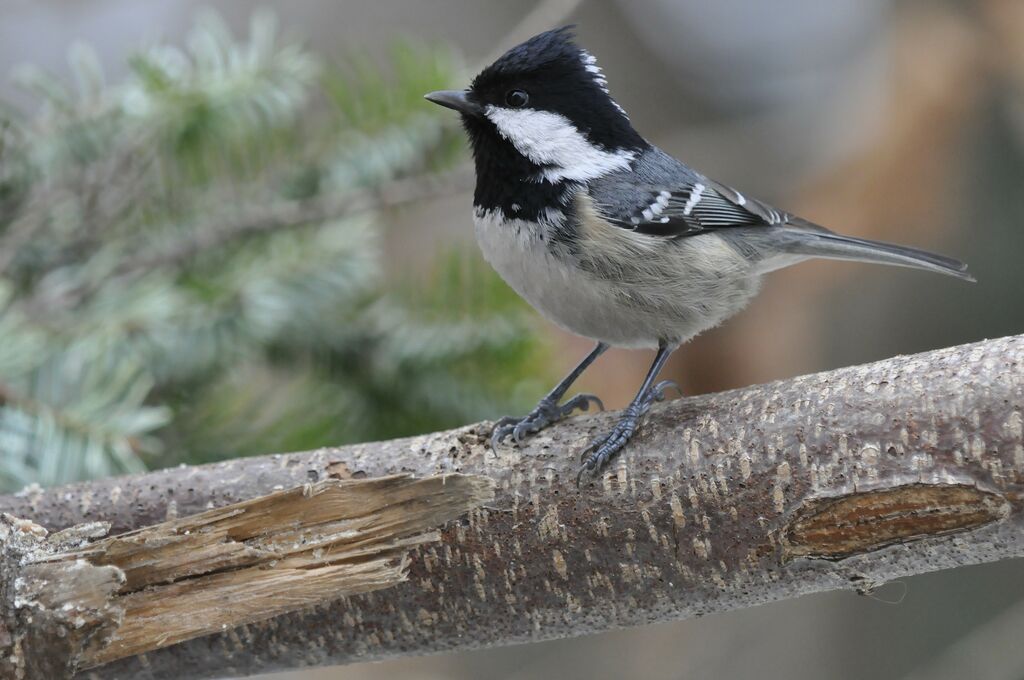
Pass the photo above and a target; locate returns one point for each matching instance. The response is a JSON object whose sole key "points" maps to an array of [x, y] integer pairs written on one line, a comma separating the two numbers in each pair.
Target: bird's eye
{"points": [[516, 98]]}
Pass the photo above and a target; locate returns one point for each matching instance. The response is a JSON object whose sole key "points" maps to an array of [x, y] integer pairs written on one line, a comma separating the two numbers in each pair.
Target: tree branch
{"points": [[247, 222], [843, 479], [292, 214]]}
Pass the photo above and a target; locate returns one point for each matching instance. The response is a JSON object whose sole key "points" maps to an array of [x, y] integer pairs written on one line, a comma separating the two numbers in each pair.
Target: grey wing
{"points": [[688, 207], [697, 205], [661, 197]]}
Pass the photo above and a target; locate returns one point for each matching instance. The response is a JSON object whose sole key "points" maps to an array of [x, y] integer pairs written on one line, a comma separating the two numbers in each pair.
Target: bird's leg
{"points": [[548, 410], [603, 448]]}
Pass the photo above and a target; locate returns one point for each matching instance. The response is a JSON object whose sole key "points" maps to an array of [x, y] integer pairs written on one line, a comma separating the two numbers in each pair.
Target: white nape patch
{"points": [[590, 63], [550, 139], [695, 195]]}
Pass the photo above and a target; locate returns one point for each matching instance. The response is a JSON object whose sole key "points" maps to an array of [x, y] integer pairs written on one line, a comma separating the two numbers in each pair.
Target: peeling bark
{"points": [[843, 479], [71, 603], [856, 523]]}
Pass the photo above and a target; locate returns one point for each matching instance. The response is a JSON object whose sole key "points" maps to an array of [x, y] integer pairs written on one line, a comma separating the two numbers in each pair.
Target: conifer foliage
{"points": [[190, 261]]}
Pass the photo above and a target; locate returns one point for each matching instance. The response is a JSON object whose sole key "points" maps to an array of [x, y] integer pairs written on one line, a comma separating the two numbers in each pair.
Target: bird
{"points": [[610, 237]]}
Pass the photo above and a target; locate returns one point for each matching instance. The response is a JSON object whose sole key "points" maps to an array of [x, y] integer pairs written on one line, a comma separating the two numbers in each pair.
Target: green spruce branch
{"points": [[190, 261]]}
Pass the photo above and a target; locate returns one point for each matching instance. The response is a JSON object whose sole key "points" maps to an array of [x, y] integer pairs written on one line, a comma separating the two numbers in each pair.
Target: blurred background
{"points": [[228, 230]]}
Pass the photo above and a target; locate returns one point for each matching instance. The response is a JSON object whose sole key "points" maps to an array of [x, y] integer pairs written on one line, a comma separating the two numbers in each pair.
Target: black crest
{"points": [[562, 78], [555, 47]]}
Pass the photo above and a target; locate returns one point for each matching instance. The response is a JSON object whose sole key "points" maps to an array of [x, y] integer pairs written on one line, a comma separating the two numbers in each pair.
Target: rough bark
{"points": [[843, 479]]}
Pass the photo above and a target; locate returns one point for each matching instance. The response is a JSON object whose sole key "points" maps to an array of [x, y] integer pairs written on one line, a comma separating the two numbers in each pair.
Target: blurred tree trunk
{"points": [[900, 186], [845, 479]]}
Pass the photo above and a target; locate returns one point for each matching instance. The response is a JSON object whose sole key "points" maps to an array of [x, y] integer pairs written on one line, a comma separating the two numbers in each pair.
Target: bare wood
{"points": [[70, 602], [51, 614], [844, 479]]}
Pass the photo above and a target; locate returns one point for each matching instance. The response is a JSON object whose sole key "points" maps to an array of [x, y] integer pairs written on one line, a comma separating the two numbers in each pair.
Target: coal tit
{"points": [[608, 236]]}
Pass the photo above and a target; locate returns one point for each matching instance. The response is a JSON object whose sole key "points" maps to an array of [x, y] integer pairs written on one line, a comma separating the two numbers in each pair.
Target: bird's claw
{"points": [[600, 451], [545, 413], [657, 392]]}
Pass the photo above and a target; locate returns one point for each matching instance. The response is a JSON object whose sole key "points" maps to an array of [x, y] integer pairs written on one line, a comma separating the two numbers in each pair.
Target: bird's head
{"points": [[542, 112]]}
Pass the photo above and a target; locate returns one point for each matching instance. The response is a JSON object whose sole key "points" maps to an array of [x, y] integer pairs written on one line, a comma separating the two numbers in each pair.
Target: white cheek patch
{"points": [[550, 139]]}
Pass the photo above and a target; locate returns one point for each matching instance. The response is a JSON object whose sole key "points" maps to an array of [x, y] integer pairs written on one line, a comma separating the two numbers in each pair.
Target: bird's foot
{"points": [[547, 412], [600, 451]]}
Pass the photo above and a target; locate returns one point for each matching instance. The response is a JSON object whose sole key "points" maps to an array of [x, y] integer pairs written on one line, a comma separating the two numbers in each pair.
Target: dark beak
{"points": [[455, 99]]}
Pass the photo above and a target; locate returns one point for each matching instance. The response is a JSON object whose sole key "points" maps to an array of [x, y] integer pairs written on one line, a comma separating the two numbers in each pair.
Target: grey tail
{"points": [[818, 242]]}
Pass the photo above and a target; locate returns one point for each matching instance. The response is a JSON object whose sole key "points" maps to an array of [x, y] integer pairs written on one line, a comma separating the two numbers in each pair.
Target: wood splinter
{"points": [[73, 600]]}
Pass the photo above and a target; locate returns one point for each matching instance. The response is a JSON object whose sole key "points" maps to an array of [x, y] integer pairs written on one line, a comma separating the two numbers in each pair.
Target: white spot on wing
{"points": [[740, 200], [695, 195], [551, 140], [659, 205]]}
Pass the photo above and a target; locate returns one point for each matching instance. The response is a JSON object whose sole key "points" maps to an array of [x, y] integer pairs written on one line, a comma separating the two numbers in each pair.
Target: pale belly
{"points": [[676, 294]]}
